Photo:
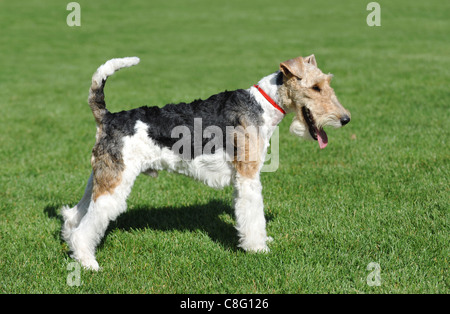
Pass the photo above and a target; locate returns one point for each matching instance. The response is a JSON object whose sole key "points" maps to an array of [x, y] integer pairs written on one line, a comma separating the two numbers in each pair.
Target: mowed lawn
{"points": [[379, 193]]}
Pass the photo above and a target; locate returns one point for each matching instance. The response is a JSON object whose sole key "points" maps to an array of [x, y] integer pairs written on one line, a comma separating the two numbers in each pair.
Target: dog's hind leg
{"points": [[72, 216], [105, 206]]}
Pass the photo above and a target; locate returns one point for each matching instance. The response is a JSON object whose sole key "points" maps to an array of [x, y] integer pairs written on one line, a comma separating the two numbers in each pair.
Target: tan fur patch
{"points": [[248, 149], [107, 172]]}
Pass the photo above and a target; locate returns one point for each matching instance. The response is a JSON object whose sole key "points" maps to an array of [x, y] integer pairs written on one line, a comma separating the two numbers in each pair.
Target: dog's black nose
{"points": [[345, 119]]}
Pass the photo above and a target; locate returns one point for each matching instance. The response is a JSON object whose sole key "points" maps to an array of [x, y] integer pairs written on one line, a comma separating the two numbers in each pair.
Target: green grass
{"points": [[378, 193]]}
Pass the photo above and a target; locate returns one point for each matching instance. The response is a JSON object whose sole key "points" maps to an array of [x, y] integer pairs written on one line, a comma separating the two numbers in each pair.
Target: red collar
{"points": [[269, 99]]}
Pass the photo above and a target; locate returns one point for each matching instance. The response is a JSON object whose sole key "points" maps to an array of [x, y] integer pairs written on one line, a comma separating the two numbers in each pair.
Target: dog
{"points": [[238, 124]]}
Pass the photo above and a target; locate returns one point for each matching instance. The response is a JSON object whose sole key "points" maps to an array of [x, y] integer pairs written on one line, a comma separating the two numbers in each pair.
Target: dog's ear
{"points": [[311, 59], [293, 67]]}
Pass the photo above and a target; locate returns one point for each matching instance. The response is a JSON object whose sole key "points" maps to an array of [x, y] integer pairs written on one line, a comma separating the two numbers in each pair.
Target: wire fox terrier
{"points": [[235, 130]]}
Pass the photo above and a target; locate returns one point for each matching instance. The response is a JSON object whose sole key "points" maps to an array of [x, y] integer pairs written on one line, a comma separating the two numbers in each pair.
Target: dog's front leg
{"points": [[249, 211]]}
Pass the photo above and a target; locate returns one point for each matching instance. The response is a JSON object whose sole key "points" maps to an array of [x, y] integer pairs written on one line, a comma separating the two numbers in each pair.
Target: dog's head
{"points": [[307, 92]]}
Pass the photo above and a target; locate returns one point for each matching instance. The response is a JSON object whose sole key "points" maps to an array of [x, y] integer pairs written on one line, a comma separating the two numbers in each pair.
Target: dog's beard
{"points": [[300, 129]]}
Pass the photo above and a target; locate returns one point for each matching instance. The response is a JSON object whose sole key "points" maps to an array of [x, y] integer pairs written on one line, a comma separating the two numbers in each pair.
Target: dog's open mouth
{"points": [[316, 133]]}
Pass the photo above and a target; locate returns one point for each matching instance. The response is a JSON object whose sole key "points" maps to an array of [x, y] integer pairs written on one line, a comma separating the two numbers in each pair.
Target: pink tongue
{"points": [[322, 138]]}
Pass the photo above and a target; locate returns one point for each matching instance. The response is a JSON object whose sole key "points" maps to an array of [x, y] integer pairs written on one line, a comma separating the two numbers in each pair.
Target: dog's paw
{"points": [[259, 249], [91, 265], [87, 262], [255, 247]]}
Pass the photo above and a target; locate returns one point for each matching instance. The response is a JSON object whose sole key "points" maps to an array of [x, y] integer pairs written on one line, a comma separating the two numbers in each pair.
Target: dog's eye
{"points": [[316, 88], [299, 79]]}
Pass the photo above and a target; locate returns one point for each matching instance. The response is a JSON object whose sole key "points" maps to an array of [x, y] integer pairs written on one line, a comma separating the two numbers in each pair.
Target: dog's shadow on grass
{"points": [[210, 218], [213, 218]]}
